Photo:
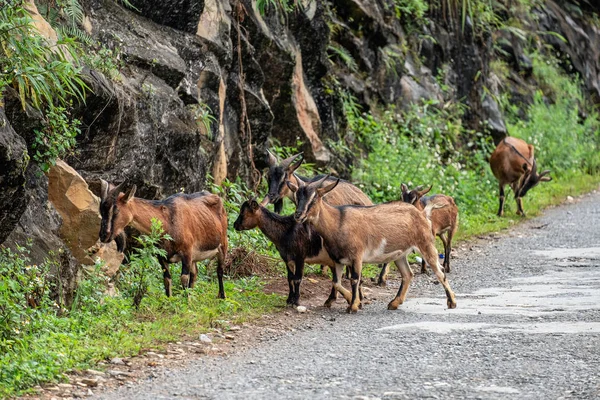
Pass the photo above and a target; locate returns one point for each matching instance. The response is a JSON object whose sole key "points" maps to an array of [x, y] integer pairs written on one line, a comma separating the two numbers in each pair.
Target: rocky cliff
{"points": [[205, 84]]}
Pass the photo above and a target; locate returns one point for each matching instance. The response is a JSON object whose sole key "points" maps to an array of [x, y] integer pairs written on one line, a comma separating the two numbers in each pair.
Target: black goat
{"points": [[297, 243]]}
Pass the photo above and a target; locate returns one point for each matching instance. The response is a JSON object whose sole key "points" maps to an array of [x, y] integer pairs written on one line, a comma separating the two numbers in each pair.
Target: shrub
{"points": [[143, 267]]}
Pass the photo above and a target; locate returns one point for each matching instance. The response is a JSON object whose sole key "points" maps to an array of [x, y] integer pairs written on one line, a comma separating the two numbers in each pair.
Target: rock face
{"points": [[205, 84], [13, 163]]}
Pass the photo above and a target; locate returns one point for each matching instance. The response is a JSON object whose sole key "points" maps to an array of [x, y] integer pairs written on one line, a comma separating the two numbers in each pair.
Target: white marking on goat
{"points": [[203, 255]]}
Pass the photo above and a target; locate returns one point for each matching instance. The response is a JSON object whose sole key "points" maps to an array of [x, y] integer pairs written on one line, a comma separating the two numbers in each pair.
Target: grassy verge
{"points": [[545, 195], [100, 327]]}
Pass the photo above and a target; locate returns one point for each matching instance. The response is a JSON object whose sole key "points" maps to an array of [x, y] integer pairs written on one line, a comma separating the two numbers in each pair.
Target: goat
{"points": [[443, 219], [373, 234], [513, 163], [280, 173], [196, 222], [297, 243]]}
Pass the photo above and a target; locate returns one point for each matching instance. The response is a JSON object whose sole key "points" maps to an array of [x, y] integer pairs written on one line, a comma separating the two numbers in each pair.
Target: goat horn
{"points": [[265, 201], [103, 189], [272, 159], [286, 163]]}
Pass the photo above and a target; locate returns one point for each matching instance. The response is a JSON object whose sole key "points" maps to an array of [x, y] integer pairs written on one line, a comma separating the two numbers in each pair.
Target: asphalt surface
{"points": [[527, 326]]}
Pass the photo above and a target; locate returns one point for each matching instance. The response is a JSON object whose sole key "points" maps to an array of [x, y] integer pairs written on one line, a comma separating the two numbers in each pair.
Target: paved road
{"points": [[527, 326]]}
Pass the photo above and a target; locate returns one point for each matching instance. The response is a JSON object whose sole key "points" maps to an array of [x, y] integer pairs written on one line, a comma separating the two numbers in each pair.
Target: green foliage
{"points": [[24, 290], [143, 266], [411, 9], [204, 117], [420, 147], [57, 137], [336, 50], [234, 194], [40, 344], [564, 140], [105, 60], [284, 6], [47, 77], [40, 73]]}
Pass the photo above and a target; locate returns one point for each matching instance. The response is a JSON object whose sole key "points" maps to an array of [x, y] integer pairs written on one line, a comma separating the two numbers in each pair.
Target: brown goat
{"points": [[196, 222], [280, 173], [444, 220], [373, 234], [513, 163]]}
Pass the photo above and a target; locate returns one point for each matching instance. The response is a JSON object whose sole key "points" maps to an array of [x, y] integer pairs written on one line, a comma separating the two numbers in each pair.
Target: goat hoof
{"points": [[382, 283], [352, 309], [221, 295], [392, 306], [451, 304], [328, 303]]}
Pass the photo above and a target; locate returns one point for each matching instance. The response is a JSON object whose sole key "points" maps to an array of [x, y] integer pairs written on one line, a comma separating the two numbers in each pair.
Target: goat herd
{"points": [[335, 224]]}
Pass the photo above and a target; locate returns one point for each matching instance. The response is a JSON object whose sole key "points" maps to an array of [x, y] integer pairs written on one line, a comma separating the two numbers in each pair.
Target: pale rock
{"points": [[90, 382], [205, 338], [78, 206], [117, 361], [307, 112], [301, 309]]}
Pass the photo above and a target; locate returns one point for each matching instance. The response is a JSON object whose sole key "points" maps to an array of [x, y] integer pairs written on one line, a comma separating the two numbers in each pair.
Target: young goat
{"points": [[373, 234], [513, 163], [197, 224], [444, 220], [297, 243]]}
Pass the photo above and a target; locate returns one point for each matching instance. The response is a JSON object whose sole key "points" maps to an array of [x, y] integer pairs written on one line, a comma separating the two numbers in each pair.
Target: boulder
{"points": [[78, 206]]}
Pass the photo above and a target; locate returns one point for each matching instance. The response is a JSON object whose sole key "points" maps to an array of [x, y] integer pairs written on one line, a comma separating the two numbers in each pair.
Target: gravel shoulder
{"points": [[527, 326]]}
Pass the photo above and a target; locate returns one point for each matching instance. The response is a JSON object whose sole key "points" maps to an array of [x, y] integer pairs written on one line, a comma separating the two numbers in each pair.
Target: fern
{"points": [[73, 11], [76, 33], [344, 55]]}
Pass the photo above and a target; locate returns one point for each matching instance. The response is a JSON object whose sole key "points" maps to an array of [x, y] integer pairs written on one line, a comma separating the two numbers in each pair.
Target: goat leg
{"points": [[382, 280], [501, 208]]}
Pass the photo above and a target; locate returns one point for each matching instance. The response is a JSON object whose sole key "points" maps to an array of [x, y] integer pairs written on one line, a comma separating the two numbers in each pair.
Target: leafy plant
{"points": [[284, 6], [343, 54], [415, 9], [57, 137], [203, 116], [141, 271]]}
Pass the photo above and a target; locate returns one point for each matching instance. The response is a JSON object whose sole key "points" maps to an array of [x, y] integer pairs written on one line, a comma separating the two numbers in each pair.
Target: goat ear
{"points": [[544, 176], [129, 195], [103, 189], [272, 159], [253, 205], [424, 192], [322, 191], [404, 188], [293, 187], [296, 163]]}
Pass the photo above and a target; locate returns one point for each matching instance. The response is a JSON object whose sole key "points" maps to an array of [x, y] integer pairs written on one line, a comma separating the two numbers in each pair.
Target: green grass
{"points": [[112, 327], [541, 197]]}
